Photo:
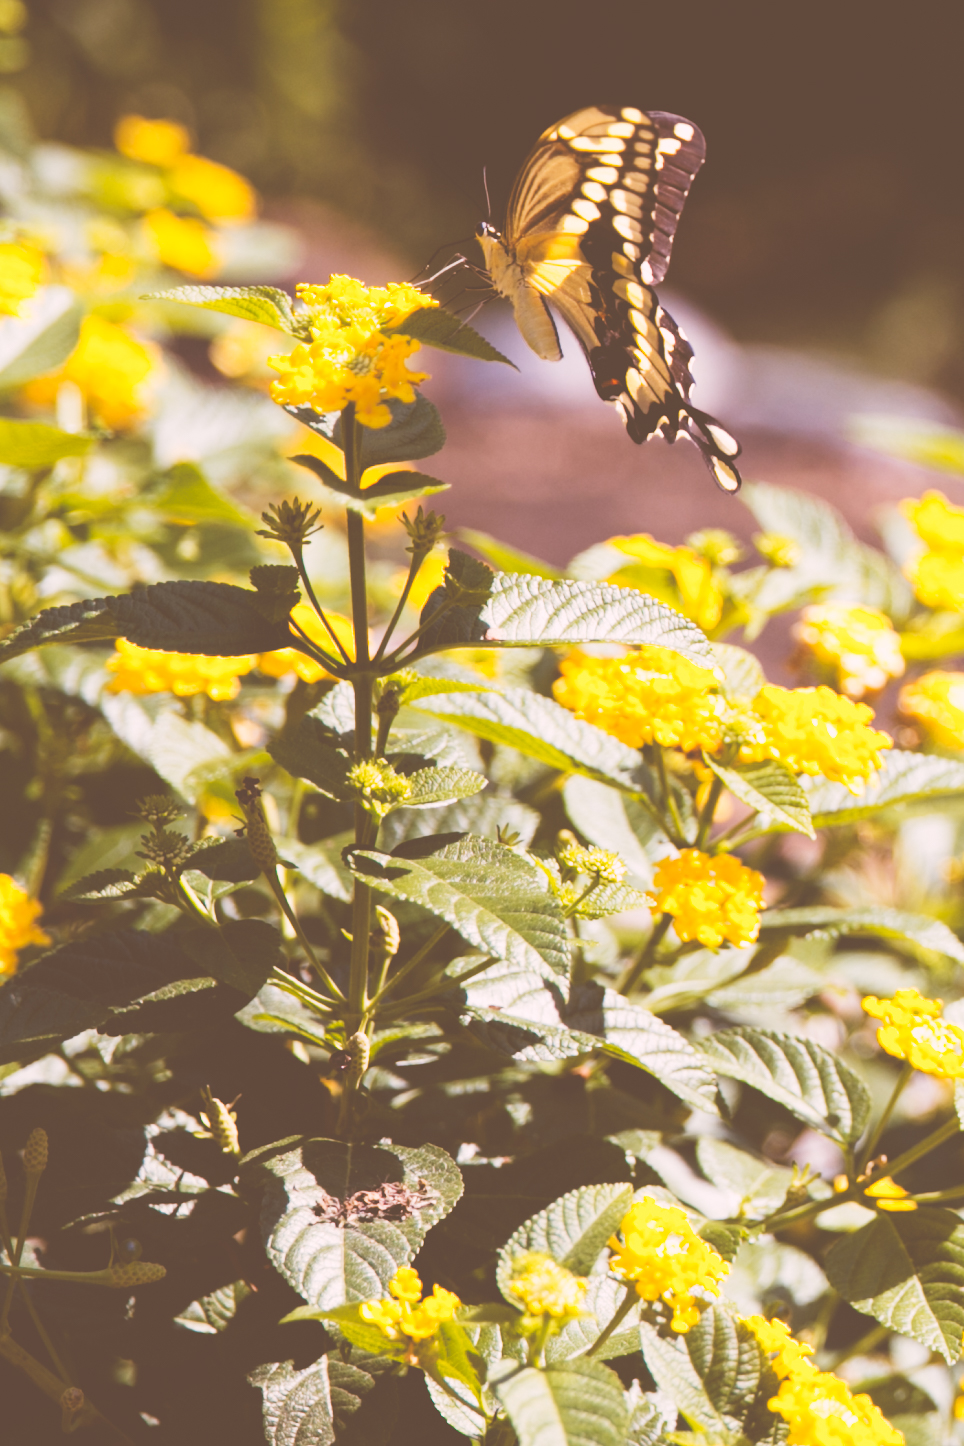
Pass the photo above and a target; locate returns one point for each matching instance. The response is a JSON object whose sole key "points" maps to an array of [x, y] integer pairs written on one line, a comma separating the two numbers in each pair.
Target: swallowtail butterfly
{"points": [[590, 228]]}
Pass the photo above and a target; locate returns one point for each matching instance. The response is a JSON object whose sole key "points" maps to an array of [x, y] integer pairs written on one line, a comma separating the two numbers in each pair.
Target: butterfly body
{"points": [[590, 227]]}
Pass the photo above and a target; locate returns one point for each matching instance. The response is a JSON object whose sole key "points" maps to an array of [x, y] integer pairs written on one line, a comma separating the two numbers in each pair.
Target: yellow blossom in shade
{"points": [[958, 1407], [110, 367], [650, 696], [182, 242], [663, 1256], [544, 1288], [148, 670], [156, 142], [936, 521], [700, 595], [18, 923], [22, 272], [430, 576], [937, 575], [936, 701], [402, 1314], [913, 1030], [710, 899], [859, 643], [219, 193], [819, 1408], [815, 730], [888, 1195], [290, 660]]}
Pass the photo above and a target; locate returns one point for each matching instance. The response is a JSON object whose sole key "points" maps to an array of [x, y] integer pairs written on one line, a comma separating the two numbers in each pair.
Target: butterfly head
{"points": [[486, 231]]}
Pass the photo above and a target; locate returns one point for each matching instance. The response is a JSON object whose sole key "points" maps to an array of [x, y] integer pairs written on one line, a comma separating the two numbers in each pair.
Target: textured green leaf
{"points": [[296, 1405], [771, 789], [759, 1185], [573, 1230], [902, 778], [415, 431], [499, 902], [717, 1374], [674, 1373], [580, 1403], [211, 1314], [105, 884], [334, 1263], [311, 752], [907, 1271], [483, 815], [186, 497], [808, 1080], [34, 445], [919, 930], [610, 820], [410, 686], [435, 327], [321, 863], [264, 304], [442, 785], [39, 344], [743, 673]]}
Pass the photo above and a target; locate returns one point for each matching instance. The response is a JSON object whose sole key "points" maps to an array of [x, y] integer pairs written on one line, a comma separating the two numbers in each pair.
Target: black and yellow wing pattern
{"points": [[590, 227]]}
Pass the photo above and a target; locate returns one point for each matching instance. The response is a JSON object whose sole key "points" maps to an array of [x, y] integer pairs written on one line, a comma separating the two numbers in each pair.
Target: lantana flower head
{"points": [[710, 899], [650, 696], [149, 670], [545, 1288], [936, 700], [18, 923], [819, 1408], [815, 730], [912, 1029], [22, 271], [859, 643], [937, 574], [665, 1259], [403, 1314]]}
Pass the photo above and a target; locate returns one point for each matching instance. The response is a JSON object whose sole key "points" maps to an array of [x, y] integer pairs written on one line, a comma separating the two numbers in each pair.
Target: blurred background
{"points": [[819, 267]]}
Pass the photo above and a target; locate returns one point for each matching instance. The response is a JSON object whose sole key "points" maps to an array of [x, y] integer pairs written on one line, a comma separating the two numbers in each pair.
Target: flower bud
{"points": [[138, 1272], [35, 1152], [358, 1050]]}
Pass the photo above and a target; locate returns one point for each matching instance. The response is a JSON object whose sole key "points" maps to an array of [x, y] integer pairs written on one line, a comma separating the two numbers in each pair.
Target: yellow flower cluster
{"points": [[710, 899], [663, 1256], [651, 696], [913, 1030], [403, 1313], [858, 643], [819, 1408], [889, 1196], [350, 360], [815, 730], [544, 1288], [22, 270], [110, 368], [18, 923], [936, 700], [217, 192], [148, 670], [937, 574], [697, 592]]}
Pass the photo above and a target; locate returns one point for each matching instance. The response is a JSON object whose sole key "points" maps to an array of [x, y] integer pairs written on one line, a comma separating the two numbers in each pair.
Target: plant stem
{"points": [[867, 1152], [629, 1300], [394, 659], [859, 1348], [413, 571], [411, 964], [362, 683], [709, 809], [633, 972], [668, 799], [299, 558], [302, 992], [931, 1142], [274, 884]]}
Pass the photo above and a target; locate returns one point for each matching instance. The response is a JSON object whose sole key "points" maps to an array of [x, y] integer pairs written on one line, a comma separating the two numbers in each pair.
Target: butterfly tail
{"points": [[717, 448]]}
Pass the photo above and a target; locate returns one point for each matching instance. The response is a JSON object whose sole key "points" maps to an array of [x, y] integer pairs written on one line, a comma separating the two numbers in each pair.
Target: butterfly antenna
{"points": [[485, 187], [452, 265]]}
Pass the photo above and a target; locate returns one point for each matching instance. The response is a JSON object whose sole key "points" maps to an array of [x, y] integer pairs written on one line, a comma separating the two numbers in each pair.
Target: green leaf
{"points": [[771, 789], [541, 729], [409, 686], [808, 1080], [105, 884], [580, 1403], [743, 673], [187, 498], [264, 304], [717, 1375], [415, 431], [310, 752], [34, 445], [393, 490], [41, 343], [918, 930], [907, 1271], [498, 901], [211, 1314], [215, 619], [483, 815], [917, 439], [758, 1185], [296, 1405], [442, 785], [241, 953], [321, 863], [610, 820], [335, 1262], [573, 1230], [902, 778], [505, 558], [433, 326]]}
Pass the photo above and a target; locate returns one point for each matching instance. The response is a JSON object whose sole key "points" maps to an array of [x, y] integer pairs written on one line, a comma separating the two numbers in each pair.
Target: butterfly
{"points": [[590, 228]]}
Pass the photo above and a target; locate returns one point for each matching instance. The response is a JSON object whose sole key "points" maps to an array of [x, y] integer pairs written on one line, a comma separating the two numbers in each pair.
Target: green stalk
{"points": [[411, 964], [413, 570], [299, 559], [274, 884], [303, 992], [632, 974], [363, 678], [867, 1152], [931, 1142], [709, 809], [668, 799], [629, 1300]]}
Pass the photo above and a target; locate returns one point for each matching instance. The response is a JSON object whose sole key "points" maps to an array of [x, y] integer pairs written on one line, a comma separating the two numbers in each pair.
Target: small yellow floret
{"points": [[155, 142], [182, 242], [710, 899], [148, 670], [859, 643], [22, 272], [403, 1314], [219, 193], [890, 1196], [18, 923], [650, 696], [913, 1030], [815, 730], [936, 700], [665, 1258], [542, 1287]]}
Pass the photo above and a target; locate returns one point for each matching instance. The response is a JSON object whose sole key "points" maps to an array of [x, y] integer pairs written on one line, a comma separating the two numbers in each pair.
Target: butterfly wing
{"points": [[591, 222]]}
